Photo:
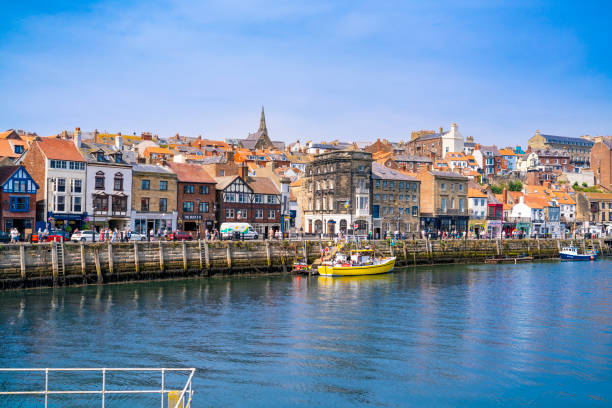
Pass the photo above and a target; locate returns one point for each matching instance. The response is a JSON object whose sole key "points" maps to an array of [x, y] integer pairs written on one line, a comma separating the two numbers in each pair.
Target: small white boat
{"points": [[571, 253]]}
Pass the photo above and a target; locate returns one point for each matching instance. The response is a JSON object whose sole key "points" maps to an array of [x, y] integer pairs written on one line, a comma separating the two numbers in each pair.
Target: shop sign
{"points": [[192, 217]]}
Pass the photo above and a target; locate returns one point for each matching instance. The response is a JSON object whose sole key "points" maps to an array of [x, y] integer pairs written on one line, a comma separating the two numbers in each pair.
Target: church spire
{"points": [[262, 120]]}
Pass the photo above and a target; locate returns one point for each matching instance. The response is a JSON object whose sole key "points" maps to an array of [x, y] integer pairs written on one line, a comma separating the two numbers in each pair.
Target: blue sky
{"points": [[351, 70]]}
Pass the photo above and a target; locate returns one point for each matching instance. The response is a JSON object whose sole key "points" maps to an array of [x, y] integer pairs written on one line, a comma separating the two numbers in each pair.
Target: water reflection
{"points": [[437, 336]]}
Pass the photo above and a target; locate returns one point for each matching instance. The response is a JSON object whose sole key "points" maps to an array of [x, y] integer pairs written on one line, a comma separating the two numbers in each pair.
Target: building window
{"points": [[100, 156], [145, 184], [415, 211], [461, 205], [119, 204], [144, 204], [460, 187], [377, 197], [100, 203], [271, 199], [378, 183], [163, 204], [384, 183], [20, 204], [258, 199], [241, 214], [229, 213], [76, 204], [61, 185], [443, 204], [391, 184], [60, 203], [259, 214], [163, 185], [188, 189], [203, 207], [118, 182], [204, 190], [390, 197], [271, 214], [77, 186], [187, 206], [443, 186]]}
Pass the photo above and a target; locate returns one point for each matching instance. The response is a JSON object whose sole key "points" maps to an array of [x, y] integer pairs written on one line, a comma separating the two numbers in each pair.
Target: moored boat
{"points": [[359, 262], [571, 253]]}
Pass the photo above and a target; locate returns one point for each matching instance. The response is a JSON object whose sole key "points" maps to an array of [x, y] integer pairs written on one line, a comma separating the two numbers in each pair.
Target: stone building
{"points": [[594, 208], [395, 202], [196, 196], [578, 148], [601, 162], [435, 145], [337, 189], [154, 198], [444, 205]]}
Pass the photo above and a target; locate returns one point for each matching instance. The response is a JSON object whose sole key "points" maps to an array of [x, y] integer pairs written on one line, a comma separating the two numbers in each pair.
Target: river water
{"points": [[533, 334]]}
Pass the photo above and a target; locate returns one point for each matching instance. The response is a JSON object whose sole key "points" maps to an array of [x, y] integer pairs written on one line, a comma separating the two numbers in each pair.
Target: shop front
{"points": [[477, 228], [444, 223], [144, 222], [494, 229], [65, 221]]}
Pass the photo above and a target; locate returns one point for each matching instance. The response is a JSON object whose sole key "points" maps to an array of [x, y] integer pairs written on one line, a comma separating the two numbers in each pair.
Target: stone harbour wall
{"points": [[58, 264]]}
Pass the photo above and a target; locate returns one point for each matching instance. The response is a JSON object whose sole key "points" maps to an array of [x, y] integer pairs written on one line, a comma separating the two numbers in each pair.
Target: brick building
{"points": [[154, 198], [601, 162], [249, 199], [196, 196], [17, 200], [395, 201]]}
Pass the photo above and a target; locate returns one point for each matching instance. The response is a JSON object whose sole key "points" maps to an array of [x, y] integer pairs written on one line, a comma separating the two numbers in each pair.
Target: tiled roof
{"points": [[381, 172], [6, 147], [191, 173], [447, 174], [6, 172], [475, 193], [60, 149], [598, 196], [262, 185], [159, 150], [89, 151], [151, 168], [407, 158], [224, 181]]}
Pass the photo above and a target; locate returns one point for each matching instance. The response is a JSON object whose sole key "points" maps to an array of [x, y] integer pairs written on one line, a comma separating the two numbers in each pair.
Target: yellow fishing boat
{"points": [[360, 262]]}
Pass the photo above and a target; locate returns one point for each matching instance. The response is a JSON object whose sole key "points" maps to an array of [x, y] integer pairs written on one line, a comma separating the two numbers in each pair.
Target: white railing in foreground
{"points": [[184, 400]]}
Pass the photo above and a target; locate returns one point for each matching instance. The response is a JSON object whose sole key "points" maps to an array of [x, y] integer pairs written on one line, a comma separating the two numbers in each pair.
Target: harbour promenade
{"points": [[62, 264]]}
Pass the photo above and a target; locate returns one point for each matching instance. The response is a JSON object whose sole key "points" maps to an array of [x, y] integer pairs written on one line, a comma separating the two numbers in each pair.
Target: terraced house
{"points": [[337, 188], [395, 202], [154, 198]]}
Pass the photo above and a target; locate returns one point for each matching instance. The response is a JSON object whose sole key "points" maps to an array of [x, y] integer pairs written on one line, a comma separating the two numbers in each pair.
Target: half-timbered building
{"points": [[18, 200], [255, 200]]}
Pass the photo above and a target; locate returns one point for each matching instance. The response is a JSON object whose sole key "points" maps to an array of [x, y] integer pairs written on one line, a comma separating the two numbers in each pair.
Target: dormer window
{"points": [[100, 156], [117, 157], [18, 149]]}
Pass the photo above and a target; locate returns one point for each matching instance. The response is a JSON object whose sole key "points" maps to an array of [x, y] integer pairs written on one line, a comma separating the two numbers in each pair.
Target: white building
{"points": [[452, 141], [109, 184], [59, 169], [477, 204]]}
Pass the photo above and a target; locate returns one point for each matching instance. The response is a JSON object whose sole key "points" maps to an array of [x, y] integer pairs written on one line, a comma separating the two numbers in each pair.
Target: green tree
{"points": [[496, 189], [515, 186]]}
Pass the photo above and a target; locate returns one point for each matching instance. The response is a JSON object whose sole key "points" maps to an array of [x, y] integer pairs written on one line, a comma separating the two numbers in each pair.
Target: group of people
{"points": [[14, 235], [113, 235]]}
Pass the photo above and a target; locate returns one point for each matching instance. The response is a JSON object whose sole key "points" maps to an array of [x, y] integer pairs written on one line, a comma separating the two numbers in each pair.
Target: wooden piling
{"points": [[22, 262], [54, 265], [268, 253], [229, 256], [111, 263], [162, 266], [97, 262], [82, 255], [200, 254], [136, 258], [207, 256], [184, 256]]}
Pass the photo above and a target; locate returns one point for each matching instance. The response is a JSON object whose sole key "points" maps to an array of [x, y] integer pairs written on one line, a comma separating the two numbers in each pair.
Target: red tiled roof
{"points": [[262, 185], [191, 173], [59, 149]]}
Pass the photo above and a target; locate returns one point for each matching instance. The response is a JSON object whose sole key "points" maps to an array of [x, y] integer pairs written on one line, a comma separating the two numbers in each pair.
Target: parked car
{"points": [[83, 236], [179, 236], [57, 235], [134, 236]]}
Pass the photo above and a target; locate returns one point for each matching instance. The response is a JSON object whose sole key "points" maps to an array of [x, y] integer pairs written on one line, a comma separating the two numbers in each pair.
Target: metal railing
{"points": [[184, 398]]}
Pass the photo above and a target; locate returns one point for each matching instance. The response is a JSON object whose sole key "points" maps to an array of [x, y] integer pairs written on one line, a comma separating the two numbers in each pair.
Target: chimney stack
{"points": [[441, 130], [244, 172], [77, 137], [119, 142]]}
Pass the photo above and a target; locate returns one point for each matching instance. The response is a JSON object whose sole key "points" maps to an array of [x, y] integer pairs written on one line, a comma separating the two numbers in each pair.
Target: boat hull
{"points": [[578, 257], [384, 267]]}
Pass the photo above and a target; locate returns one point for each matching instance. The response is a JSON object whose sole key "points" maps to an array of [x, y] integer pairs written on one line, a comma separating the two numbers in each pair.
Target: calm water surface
{"points": [[534, 335]]}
